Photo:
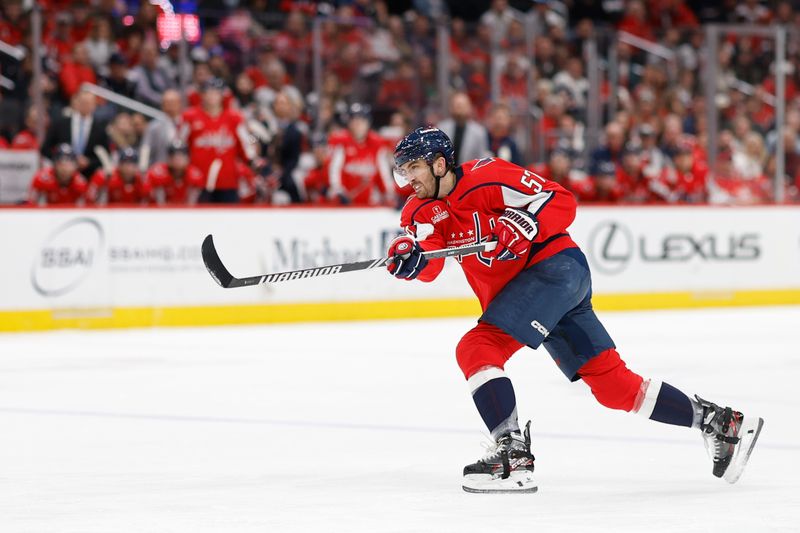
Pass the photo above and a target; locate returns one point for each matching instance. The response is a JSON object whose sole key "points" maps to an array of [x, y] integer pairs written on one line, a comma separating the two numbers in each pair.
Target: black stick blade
{"points": [[214, 263]]}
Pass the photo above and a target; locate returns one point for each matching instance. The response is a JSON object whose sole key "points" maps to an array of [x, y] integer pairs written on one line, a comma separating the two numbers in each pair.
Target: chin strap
{"points": [[438, 179]]}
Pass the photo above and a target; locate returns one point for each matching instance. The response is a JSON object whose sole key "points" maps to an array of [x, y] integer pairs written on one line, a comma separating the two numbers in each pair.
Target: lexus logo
{"points": [[611, 247]]}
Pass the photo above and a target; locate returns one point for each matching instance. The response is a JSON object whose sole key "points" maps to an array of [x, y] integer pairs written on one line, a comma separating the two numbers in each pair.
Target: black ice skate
{"points": [[506, 467], [729, 438]]}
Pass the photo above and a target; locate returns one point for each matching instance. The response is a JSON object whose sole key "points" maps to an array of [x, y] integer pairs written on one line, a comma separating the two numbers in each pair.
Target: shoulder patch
{"points": [[482, 163], [439, 214]]}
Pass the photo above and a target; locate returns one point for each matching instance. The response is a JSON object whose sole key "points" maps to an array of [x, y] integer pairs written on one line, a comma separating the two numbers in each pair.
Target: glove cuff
{"points": [[522, 220]]}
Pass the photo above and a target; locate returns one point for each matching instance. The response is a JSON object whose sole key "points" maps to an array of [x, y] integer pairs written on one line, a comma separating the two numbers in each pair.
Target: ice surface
{"points": [[357, 427]]}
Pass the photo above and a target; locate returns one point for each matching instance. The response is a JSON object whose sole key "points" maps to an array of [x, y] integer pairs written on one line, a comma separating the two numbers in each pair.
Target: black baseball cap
{"points": [[646, 130], [177, 147], [128, 155], [213, 83], [606, 168], [117, 59], [359, 110], [319, 139], [64, 151], [632, 148]]}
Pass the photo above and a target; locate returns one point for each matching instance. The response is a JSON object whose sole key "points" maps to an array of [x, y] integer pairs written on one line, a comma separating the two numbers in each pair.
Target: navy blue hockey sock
{"points": [[664, 403], [494, 397]]}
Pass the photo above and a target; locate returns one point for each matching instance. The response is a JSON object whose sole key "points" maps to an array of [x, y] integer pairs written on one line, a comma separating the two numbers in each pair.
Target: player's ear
{"points": [[440, 165]]}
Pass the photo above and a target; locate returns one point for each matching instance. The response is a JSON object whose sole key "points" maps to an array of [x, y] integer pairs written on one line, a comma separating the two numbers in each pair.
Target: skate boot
{"points": [[729, 438], [506, 467]]}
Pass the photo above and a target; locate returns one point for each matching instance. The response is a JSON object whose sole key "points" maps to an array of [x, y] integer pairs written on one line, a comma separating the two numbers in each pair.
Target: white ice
{"points": [[351, 427]]}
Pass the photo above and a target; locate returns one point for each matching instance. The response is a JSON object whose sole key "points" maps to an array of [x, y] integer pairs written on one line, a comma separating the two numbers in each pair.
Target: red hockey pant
{"points": [[612, 383]]}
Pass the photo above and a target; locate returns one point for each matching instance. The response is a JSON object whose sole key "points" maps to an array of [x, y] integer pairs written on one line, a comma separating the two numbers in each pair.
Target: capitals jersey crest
{"points": [[484, 188]]}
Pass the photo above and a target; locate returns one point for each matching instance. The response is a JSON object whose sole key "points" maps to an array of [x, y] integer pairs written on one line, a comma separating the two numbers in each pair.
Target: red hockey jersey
{"points": [[46, 189], [359, 170], [118, 191], [483, 190], [25, 140], [223, 137], [176, 191]]}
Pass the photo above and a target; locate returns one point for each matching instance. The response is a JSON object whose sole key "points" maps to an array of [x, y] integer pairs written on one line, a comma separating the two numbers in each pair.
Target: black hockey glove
{"points": [[406, 259]]}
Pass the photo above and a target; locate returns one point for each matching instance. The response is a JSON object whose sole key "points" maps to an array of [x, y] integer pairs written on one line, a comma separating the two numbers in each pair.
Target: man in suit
{"points": [[81, 131], [470, 139], [161, 132]]}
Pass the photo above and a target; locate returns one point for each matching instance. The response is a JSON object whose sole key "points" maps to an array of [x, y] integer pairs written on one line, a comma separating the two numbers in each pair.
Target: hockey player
{"points": [[175, 181], [690, 174], [122, 185], [217, 139], [60, 184], [359, 168], [534, 289]]}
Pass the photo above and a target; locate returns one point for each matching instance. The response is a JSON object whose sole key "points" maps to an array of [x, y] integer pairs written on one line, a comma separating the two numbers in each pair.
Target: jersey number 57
{"points": [[533, 181]]}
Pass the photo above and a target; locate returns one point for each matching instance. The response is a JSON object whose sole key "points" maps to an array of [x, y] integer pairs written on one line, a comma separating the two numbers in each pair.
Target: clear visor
{"points": [[402, 174]]}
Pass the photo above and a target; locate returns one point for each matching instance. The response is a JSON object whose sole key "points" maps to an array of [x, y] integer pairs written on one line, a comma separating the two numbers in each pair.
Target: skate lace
{"points": [[492, 451], [495, 449], [717, 428]]}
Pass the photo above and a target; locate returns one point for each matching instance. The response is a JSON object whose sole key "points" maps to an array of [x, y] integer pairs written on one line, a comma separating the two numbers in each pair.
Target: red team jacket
{"points": [[354, 166], [175, 191], [222, 137], [483, 190], [25, 140], [44, 183], [119, 191]]}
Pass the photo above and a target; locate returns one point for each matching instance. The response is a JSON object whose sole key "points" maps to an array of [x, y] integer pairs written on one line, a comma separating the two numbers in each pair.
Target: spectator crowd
{"points": [[239, 119]]}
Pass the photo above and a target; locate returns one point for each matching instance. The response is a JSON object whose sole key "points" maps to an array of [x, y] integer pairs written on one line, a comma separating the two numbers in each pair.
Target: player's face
{"points": [[559, 165], [64, 169], [321, 153], [684, 161], [418, 174], [212, 98], [359, 127], [178, 161], [128, 170], [631, 163], [604, 184]]}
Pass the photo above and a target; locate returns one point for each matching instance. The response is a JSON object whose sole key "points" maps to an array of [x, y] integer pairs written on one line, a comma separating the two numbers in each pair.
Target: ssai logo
{"points": [[612, 246], [67, 256]]}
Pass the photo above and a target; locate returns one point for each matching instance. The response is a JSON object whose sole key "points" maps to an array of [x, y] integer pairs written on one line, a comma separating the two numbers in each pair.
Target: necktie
{"points": [[80, 144]]}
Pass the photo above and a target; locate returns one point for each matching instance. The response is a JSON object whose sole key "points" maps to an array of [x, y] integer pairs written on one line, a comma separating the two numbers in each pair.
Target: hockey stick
{"points": [[144, 158], [226, 280], [213, 174], [104, 157]]}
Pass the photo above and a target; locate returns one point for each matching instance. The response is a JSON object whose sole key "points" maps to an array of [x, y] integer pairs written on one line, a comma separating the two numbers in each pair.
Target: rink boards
{"points": [[142, 267]]}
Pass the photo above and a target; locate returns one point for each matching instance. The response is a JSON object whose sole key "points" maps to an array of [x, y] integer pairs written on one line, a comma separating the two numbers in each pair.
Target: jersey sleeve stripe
{"points": [[531, 202], [539, 203]]}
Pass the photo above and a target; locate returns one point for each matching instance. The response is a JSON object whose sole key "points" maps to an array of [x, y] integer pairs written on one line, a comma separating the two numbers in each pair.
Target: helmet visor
{"points": [[400, 176], [403, 173]]}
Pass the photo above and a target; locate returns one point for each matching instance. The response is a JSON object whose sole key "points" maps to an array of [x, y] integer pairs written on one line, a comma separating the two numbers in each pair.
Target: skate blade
{"points": [[521, 481], [751, 429]]}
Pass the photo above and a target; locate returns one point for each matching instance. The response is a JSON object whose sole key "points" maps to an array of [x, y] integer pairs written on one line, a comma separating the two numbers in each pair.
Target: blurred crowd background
{"points": [[279, 102]]}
